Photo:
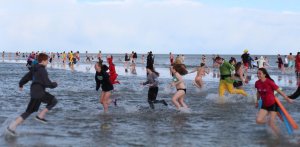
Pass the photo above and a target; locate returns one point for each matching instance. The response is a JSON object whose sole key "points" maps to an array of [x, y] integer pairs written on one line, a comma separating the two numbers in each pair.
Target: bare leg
{"points": [[261, 116], [14, 124], [176, 97], [102, 98], [106, 101], [272, 123], [181, 101], [43, 113]]}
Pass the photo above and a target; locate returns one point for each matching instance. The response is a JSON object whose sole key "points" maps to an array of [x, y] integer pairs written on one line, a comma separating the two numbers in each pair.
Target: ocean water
{"points": [[78, 118]]}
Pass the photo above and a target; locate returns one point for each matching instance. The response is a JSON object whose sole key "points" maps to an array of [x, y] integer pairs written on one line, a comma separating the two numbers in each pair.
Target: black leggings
{"points": [[296, 94], [34, 104], [152, 93]]}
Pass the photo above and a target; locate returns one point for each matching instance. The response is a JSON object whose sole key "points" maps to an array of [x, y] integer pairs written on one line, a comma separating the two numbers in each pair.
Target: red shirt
{"points": [[266, 91], [298, 63]]}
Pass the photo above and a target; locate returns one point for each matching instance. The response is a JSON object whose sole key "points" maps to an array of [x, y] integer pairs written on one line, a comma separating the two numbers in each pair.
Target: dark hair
{"points": [[202, 64], [264, 71], [42, 57], [232, 59], [217, 58], [238, 66], [100, 63], [152, 69], [180, 68]]}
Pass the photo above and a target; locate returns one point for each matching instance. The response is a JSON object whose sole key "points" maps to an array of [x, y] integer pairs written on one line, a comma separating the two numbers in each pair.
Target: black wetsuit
{"points": [[40, 81], [102, 78]]}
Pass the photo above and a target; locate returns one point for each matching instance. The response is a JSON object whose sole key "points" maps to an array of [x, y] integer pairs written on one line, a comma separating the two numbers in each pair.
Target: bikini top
{"points": [[175, 79]]}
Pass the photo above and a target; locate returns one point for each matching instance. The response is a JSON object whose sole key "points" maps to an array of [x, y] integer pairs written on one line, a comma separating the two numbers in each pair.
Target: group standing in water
{"points": [[232, 79]]}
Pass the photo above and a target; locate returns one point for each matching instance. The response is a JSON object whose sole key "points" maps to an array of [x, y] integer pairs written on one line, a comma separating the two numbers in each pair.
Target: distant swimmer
{"points": [[3, 54], [102, 79], [265, 90], [171, 57], [126, 64], [178, 70], [152, 82], [39, 77]]}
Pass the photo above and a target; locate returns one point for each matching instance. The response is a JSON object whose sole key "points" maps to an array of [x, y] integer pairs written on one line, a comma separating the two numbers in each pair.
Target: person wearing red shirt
{"points": [[265, 90], [296, 94], [112, 70]]}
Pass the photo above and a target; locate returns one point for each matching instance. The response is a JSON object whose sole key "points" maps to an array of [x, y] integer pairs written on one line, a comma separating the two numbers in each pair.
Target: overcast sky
{"points": [[162, 26]]}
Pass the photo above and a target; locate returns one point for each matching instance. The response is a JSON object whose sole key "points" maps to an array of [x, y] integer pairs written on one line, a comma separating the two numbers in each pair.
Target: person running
{"points": [[40, 81], [280, 63], [133, 67], [152, 82], [134, 57], [226, 82], [291, 61], [296, 94], [245, 58], [239, 76], [260, 62], [64, 57], [178, 70], [3, 53], [30, 59], [102, 79], [71, 58], [265, 90], [150, 60], [112, 70], [203, 59], [201, 72], [99, 56], [126, 64], [171, 57]]}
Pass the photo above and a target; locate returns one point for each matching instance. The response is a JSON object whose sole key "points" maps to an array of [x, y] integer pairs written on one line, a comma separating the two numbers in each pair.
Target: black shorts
{"points": [[34, 104], [273, 107], [237, 83]]}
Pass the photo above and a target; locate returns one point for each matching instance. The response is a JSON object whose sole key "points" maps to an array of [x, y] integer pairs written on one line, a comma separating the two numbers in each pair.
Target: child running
{"points": [[39, 77], [102, 78], [152, 82], [265, 90], [178, 70]]}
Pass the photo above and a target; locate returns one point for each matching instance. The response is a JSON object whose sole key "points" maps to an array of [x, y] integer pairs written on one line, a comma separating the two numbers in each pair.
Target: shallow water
{"points": [[78, 120]]}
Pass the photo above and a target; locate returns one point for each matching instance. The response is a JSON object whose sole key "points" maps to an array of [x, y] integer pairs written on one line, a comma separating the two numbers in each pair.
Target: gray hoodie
{"points": [[152, 79]]}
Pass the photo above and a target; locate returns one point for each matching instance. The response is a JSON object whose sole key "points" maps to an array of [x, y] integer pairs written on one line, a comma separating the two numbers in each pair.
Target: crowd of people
{"points": [[233, 76]]}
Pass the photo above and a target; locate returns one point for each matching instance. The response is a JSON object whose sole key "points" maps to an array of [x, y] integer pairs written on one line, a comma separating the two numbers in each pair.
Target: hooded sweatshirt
{"points": [[40, 81]]}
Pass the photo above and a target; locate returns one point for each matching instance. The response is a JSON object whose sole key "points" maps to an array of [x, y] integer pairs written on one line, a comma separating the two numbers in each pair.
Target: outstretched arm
{"points": [[25, 79], [285, 96]]}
